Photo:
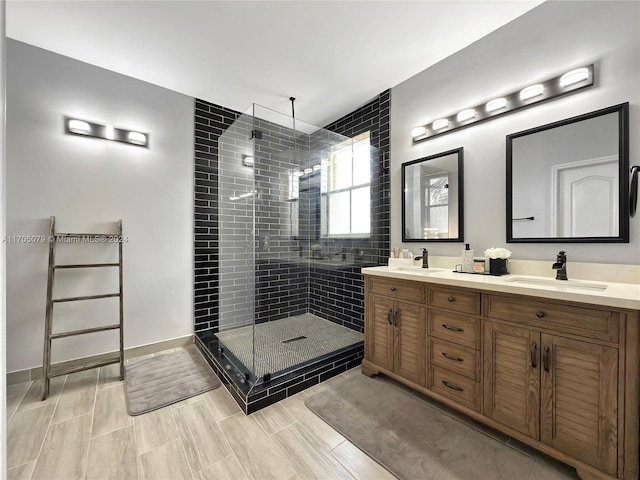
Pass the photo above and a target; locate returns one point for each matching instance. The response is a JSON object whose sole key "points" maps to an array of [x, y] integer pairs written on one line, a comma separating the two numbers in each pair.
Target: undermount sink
{"points": [[418, 270], [560, 284]]}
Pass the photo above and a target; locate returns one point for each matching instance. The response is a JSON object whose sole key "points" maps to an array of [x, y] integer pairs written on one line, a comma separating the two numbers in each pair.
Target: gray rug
{"points": [[167, 378], [415, 440]]}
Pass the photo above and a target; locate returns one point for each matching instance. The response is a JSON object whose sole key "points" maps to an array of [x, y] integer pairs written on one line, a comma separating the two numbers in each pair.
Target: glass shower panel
{"points": [[284, 227], [236, 205], [274, 217]]}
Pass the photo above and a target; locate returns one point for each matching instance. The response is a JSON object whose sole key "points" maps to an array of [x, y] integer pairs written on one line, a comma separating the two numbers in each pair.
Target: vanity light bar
{"points": [[74, 126], [555, 87]]}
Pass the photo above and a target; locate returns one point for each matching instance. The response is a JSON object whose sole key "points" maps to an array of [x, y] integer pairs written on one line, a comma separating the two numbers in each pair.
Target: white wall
{"points": [[3, 344], [88, 184], [545, 42]]}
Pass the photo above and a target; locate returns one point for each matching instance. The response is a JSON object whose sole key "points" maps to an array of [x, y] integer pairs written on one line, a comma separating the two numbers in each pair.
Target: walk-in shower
{"points": [[293, 215]]}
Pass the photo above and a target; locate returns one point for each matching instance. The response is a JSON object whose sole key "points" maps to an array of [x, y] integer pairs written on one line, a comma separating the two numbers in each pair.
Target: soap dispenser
{"points": [[467, 259]]}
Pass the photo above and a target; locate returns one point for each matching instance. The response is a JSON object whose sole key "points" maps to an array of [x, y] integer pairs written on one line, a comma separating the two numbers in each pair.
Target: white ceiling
{"points": [[333, 56]]}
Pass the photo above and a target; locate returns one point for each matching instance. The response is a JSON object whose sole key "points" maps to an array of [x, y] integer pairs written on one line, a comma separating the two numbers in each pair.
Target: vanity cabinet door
{"points": [[579, 400], [379, 331], [410, 341], [512, 376]]}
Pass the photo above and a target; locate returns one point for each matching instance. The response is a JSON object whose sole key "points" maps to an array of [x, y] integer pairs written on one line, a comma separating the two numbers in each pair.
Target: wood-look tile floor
{"points": [[83, 431]]}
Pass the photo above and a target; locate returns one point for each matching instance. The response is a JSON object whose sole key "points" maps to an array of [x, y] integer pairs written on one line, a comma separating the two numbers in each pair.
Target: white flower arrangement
{"points": [[497, 253]]}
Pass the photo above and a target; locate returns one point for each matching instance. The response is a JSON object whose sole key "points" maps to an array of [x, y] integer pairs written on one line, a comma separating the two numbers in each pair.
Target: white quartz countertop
{"points": [[610, 294]]}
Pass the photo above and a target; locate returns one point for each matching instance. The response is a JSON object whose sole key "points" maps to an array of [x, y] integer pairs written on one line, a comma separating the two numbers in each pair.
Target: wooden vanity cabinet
{"points": [[559, 391], [395, 330], [559, 376]]}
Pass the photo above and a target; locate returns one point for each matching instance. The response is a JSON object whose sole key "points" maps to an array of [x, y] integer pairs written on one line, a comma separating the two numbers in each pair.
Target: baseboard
{"points": [[133, 352]]}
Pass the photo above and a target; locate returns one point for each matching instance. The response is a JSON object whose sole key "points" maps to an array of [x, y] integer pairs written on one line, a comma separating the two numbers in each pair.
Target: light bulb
{"points": [[531, 91], [574, 76], [418, 131], [496, 104], [440, 124], [79, 126], [466, 114], [137, 138]]}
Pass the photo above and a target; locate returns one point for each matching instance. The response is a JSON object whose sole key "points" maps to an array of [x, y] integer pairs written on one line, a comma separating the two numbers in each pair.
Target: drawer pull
{"points": [[455, 359], [451, 299], [455, 329], [389, 316], [534, 355], [540, 314], [395, 317], [452, 387], [393, 289]]}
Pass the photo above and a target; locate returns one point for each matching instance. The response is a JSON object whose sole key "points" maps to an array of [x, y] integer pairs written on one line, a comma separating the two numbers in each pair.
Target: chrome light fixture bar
{"points": [[83, 128], [533, 94]]}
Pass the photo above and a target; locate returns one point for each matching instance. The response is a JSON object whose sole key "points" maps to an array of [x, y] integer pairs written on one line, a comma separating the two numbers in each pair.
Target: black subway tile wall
{"points": [[210, 122]]}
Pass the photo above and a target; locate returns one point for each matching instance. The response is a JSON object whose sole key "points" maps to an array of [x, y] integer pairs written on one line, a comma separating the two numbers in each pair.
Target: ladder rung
{"points": [[87, 297], [78, 235], [88, 265], [80, 365], [82, 332]]}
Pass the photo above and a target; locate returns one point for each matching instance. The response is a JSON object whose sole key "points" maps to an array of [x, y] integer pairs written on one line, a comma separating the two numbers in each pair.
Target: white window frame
{"points": [[328, 181]]}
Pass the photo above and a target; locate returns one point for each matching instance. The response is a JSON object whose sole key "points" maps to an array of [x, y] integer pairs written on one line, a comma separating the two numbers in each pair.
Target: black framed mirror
{"points": [[567, 181], [433, 198]]}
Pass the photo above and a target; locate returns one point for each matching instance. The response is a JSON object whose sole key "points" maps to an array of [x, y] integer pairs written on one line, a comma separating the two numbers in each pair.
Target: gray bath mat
{"points": [[167, 378], [415, 440]]}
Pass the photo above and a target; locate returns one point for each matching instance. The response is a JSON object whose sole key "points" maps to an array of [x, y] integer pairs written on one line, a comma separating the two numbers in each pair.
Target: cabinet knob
{"points": [[393, 289], [451, 299], [540, 314]]}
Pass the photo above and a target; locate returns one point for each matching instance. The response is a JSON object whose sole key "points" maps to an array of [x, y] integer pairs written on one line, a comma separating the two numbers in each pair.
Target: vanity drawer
{"points": [[409, 291], [583, 321], [458, 359], [455, 328], [462, 301], [458, 388]]}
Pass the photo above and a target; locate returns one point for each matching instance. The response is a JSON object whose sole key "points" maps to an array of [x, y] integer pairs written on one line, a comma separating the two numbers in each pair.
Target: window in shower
{"points": [[347, 183]]}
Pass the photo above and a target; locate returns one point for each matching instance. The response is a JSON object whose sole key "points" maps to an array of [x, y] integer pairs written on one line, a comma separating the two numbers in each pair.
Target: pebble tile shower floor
{"points": [[286, 343]]}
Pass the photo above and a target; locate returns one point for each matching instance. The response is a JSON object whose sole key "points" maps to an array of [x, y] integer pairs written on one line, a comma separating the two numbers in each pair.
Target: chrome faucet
{"points": [[561, 266], [425, 258]]}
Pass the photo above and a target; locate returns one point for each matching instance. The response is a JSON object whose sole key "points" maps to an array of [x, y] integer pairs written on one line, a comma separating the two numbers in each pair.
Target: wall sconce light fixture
{"points": [[571, 81], [248, 161], [74, 126]]}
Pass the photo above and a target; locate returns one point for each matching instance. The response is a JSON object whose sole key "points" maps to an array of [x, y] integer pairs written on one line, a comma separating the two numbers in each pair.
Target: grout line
{"points": [[37, 459], [186, 458], [20, 402], [161, 444], [135, 446], [93, 416]]}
